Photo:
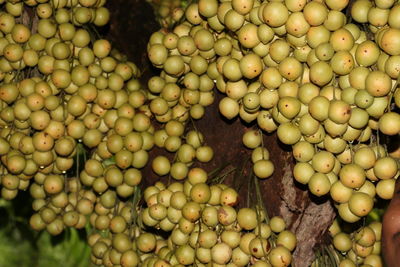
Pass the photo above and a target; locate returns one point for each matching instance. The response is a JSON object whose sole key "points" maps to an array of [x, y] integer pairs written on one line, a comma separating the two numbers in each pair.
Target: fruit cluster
{"points": [[64, 92], [168, 12], [195, 223], [301, 69], [361, 247]]}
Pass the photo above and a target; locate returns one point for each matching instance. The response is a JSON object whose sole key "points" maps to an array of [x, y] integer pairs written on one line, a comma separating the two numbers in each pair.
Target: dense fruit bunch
{"points": [[301, 69], [63, 93], [359, 247], [200, 226]]}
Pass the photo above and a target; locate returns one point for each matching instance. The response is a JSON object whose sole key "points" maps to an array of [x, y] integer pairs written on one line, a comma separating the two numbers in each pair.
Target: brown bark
{"points": [[308, 217], [132, 23], [391, 230]]}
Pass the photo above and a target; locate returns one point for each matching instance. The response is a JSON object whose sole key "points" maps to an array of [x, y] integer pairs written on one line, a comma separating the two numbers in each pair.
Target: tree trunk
{"points": [[309, 218]]}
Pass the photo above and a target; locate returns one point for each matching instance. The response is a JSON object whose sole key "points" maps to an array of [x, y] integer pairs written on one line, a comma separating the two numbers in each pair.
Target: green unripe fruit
{"points": [[263, 168], [200, 193], [251, 66], [346, 214], [342, 39], [81, 38], [102, 16], [359, 118], [161, 165], [20, 33], [185, 255], [67, 31], [259, 153], [319, 108], [223, 47], [233, 20], [367, 53], [207, 239], [10, 182], [275, 14], [323, 161], [271, 78], [389, 123], [385, 168], [359, 11], [252, 139], [335, 20], [80, 76], [340, 193], [61, 50], [352, 175], [339, 111], [385, 188], [174, 65], [204, 40], [280, 256], [243, 6], [389, 41], [287, 239], [360, 204], [324, 51], [46, 28], [319, 184], [221, 253], [7, 22], [302, 172], [247, 218], [13, 52], [297, 25], [288, 133], [315, 13], [101, 48], [204, 153], [56, 227], [342, 242], [321, 73], [208, 8], [191, 211], [290, 68], [231, 70], [378, 83], [308, 125], [289, 106], [53, 184], [82, 15], [229, 108], [342, 62]]}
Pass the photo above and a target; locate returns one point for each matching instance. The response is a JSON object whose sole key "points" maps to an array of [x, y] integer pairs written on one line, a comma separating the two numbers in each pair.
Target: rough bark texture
{"points": [[132, 23]]}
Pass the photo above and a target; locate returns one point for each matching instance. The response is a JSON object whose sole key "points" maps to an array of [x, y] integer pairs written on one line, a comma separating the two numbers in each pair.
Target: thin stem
{"points": [[259, 198], [378, 143], [391, 94], [220, 178], [214, 172], [134, 214], [195, 129]]}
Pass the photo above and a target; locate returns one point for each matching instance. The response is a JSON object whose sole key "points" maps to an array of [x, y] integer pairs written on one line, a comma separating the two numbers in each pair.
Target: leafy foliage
{"points": [[21, 246]]}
